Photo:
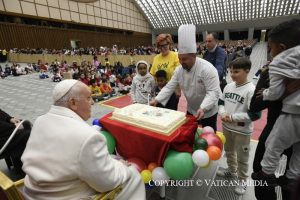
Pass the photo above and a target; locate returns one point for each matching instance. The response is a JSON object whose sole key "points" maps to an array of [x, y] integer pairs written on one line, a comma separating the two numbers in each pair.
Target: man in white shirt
{"points": [[197, 78], [66, 159]]}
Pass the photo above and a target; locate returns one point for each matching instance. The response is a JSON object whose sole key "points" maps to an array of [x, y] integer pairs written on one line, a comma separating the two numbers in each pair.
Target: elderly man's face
{"points": [[187, 60], [210, 42], [82, 106]]}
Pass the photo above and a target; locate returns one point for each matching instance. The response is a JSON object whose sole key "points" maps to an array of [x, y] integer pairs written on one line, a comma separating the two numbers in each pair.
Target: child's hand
{"points": [[229, 119], [226, 118], [223, 117]]}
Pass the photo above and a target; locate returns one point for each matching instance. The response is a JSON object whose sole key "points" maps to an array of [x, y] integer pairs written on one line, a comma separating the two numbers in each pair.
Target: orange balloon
{"points": [[214, 152], [152, 166]]}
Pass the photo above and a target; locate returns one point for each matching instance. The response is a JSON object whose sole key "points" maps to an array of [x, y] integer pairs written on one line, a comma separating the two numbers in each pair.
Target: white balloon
{"points": [[159, 174], [200, 158], [96, 127]]}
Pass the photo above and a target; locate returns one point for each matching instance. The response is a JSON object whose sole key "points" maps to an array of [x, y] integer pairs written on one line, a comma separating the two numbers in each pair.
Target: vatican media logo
{"points": [[207, 182]]}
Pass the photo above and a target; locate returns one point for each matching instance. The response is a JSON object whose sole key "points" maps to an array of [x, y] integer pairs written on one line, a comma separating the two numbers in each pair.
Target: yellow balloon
{"points": [[221, 136], [146, 175]]}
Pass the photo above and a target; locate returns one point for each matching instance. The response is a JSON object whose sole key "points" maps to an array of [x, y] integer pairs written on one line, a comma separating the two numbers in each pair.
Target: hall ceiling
{"points": [[173, 13]]}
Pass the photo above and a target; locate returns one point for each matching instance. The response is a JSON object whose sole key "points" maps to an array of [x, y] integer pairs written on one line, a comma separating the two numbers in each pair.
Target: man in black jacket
{"points": [[14, 150]]}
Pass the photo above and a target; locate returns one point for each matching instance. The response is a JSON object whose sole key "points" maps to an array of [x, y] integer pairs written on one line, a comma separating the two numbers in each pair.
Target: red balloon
{"points": [[212, 140], [139, 164]]}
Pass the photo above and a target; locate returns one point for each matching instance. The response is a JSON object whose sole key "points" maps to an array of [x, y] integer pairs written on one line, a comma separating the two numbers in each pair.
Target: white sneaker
{"points": [[226, 173], [241, 188]]}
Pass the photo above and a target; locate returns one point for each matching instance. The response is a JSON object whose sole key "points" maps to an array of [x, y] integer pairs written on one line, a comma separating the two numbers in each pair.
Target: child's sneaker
{"points": [[241, 188], [226, 173]]}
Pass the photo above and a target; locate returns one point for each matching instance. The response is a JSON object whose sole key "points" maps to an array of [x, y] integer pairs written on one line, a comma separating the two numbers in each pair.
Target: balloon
{"points": [[201, 143], [200, 158], [208, 129], [198, 133], [110, 140], [208, 164], [152, 166], [214, 152], [96, 122], [221, 136], [146, 175], [212, 140], [179, 165], [194, 147], [159, 174], [96, 127], [137, 163]]}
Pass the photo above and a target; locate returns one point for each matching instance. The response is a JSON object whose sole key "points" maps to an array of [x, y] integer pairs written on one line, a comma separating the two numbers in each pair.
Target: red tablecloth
{"points": [[149, 146]]}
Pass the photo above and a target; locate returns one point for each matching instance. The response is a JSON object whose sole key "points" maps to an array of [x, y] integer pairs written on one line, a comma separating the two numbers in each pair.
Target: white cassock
{"points": [[67, 159], [200, 86]]}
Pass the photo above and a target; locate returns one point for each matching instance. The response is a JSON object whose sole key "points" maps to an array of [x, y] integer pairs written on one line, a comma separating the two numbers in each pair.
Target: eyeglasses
{"points": [[162, 46]]}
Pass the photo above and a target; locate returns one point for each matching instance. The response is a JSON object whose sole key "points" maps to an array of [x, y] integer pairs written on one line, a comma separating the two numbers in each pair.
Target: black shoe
{"points": [[270, 179], [286, 183]]}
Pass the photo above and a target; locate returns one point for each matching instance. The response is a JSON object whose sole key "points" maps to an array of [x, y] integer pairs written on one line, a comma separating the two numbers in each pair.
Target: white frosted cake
{"points": [[159, 120]]}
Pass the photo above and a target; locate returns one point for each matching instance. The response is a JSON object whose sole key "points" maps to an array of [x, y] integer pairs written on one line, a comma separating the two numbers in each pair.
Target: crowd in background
{"points": [[229, 46], [107, 76]]}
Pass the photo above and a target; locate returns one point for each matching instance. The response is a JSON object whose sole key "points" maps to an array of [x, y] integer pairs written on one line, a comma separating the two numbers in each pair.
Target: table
{"points": [[149, 146]]}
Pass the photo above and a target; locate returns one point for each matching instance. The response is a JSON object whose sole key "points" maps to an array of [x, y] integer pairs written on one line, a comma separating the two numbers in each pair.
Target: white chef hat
{"points": [[187, 39], [62, 88]]}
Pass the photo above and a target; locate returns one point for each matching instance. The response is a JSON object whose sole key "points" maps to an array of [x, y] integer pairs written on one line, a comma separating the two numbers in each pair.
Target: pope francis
{"points": [[65, 158]]}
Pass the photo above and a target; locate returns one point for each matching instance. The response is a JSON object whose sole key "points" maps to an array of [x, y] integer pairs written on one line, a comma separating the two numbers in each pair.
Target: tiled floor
{"points": [[28, 97]]}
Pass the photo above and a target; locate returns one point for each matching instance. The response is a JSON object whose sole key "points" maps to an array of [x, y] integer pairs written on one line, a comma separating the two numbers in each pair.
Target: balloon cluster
{"points": [[150, 172], [208, 145]]}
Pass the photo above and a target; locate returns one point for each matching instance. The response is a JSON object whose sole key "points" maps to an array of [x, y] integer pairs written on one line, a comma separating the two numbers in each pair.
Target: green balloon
{"points": [[110, 140], [199, 131], [194, 147], [179, 165], [201, 143]]}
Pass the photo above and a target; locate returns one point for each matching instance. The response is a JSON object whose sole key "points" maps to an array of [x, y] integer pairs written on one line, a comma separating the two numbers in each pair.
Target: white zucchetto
{"points": [[62, 88]]}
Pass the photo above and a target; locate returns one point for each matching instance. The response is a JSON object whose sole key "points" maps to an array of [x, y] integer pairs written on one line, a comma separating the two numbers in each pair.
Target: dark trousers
{"points": [[265, 192], [210, 121], [16, 147]]}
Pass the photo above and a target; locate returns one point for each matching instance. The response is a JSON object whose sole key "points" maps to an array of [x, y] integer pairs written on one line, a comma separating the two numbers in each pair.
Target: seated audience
{"points": [[43, 74], [65, 158], [2, 73], [83, 79], [56, 77], [96, 92], [105, 87]]}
